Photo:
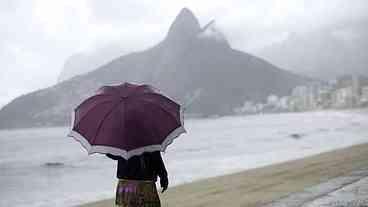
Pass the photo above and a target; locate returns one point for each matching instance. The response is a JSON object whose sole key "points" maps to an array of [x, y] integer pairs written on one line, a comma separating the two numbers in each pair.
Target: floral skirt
{"points": [[136, 193]]}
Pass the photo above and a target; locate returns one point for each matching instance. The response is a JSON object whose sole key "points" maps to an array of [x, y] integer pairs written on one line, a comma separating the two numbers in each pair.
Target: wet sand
{"points": [[260, 186]]}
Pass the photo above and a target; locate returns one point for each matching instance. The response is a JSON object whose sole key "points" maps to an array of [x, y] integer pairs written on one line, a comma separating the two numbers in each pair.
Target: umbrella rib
{"points": [[160, 95], [102, 120], [158, 106], [92, 98], [112, 87], [121, 120], [82, 118], [153, 94], [164, 110]]}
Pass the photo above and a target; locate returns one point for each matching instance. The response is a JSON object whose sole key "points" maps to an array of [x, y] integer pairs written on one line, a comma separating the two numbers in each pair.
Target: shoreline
{"points": [[67, 125], [259, 186]]}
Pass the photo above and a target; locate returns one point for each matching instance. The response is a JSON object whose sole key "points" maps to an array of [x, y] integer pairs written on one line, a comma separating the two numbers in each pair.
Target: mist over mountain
{"points": [[194, 65], [327, 52], [87, 61]]}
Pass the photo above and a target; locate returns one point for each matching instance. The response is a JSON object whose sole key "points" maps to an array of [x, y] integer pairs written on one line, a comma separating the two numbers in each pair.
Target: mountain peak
{"points": [[186, 12], [185, 25]]}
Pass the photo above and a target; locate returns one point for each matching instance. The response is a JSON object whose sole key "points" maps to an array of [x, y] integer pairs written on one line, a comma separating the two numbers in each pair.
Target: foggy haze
{"points": [[38, 36]]}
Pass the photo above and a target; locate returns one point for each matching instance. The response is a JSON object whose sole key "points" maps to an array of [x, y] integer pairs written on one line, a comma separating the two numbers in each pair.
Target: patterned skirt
{"points": [[136, 193]]}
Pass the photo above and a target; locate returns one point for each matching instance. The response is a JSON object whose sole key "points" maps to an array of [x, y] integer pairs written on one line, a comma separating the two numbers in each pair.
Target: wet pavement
{"points": [[345, 191]]}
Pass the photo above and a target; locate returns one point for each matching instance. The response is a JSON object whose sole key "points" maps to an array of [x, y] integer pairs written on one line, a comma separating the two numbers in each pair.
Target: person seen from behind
{"points": [[137, 179]]}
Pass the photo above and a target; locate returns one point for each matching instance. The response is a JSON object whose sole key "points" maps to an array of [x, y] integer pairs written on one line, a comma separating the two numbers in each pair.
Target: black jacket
{"points": [[147, 166]]}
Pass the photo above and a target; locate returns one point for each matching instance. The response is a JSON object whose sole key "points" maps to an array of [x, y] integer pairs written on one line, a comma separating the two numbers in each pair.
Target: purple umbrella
{"points": [[127, 120]]}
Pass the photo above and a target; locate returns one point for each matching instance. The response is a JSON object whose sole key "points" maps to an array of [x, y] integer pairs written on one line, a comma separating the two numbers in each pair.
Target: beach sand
{"points": [[259, 186]]}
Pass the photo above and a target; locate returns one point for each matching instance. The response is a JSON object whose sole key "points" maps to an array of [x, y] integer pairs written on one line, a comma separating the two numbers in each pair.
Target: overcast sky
{"points": [[36, 36]]}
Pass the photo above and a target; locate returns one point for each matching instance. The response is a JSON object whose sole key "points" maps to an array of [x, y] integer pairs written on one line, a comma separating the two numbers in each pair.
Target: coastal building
{"points": [[350, 86], [292, 104], [313, 95], [364, 96], [306, 97], [284, 103], [299, 98], [247, 108], [273, 100], [343, 97], [344, 92], [260, 107], [324, 98]]}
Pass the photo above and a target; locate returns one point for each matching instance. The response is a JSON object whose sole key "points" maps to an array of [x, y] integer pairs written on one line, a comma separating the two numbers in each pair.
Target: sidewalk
{"points": [[345, 191], [337, 170]]}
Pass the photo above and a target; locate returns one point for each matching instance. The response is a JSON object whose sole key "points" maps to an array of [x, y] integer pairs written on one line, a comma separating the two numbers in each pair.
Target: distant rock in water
{"points": [[296, 136], [54, 164], [195, 66]]}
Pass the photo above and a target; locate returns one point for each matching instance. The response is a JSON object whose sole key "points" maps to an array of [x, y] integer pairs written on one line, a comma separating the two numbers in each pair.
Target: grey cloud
{"points": [[119, 11], [139, 24], [8, 6]]}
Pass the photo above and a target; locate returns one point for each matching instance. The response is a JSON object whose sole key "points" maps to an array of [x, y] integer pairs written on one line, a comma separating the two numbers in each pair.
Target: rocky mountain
{"points": [[324, 53], [194, 65]]}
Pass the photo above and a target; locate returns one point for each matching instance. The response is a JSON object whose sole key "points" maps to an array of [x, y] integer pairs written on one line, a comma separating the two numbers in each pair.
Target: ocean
{"points": [[43, 167]]}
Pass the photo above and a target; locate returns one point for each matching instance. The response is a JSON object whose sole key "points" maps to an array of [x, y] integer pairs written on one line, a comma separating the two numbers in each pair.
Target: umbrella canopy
{"points": [[127, 120]]}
